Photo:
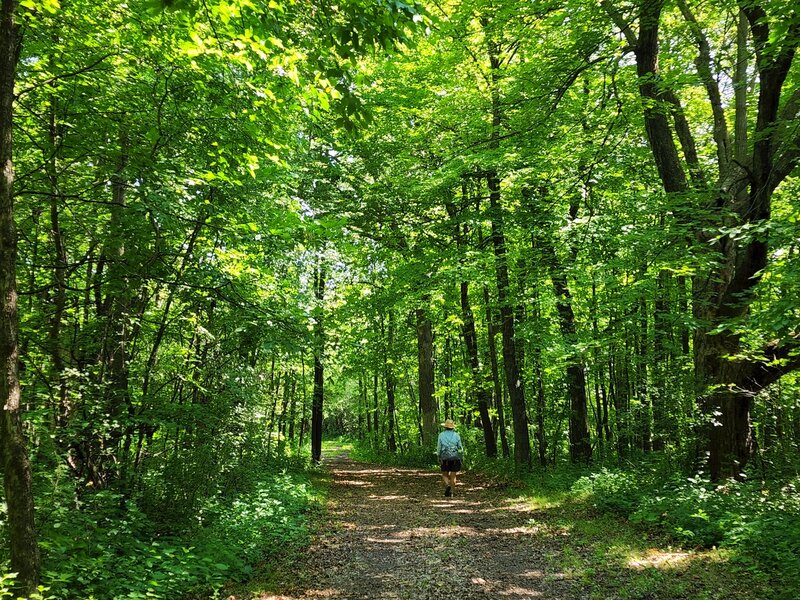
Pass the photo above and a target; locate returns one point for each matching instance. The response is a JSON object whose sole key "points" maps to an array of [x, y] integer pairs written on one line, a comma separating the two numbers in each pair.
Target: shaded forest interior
{"points": [[230, 228]]}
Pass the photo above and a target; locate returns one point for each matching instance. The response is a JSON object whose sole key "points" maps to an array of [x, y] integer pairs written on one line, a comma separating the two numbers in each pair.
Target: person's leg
{"points": [[452, 482], [445, 477]]}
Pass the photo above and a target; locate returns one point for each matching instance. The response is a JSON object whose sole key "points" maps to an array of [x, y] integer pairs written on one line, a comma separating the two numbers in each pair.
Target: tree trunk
{"points": [[516, 389], [479, 381], [375, 407], [725, 386], [23, 550], [391, 385], [427, 401], [319, 369], [497, 385], [579, 440]]}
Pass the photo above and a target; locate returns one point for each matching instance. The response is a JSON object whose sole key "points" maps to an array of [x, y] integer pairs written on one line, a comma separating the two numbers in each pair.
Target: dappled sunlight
{"points": [[658, 559], [356, 482], [397, 536], [516, 591]]}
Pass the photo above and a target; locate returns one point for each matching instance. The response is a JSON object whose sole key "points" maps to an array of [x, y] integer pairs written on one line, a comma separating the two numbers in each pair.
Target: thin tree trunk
{"points": [[480, 385], [319, 369], [303, 408], [375, 407], [391, 385], [427, 400], [495, 370]]}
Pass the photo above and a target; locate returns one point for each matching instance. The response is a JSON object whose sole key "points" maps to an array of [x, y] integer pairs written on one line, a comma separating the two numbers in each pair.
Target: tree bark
{"points": [[319, 366], [427, 400], [391, 385], [495, 371], [23, 550], [479, 381], [725, 387], [516, 390]]}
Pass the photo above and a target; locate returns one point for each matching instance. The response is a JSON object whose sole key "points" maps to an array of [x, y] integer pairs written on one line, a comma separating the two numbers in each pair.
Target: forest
{"points": [[232, 229]]}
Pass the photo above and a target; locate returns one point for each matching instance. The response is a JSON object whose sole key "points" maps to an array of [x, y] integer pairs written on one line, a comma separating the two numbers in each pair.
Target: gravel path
{"points": [[392, 534]]}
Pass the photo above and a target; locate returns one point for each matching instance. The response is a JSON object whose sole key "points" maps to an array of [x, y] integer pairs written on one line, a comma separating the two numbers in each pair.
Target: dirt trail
{"points": [[392, 534]]}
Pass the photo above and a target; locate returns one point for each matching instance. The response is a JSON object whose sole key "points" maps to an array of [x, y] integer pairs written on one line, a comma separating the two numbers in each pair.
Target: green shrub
{"points": [[101, 547], [616, 491]]}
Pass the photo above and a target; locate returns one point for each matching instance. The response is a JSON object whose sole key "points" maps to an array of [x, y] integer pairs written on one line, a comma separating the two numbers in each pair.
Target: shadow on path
{"points": [[393, 535]]}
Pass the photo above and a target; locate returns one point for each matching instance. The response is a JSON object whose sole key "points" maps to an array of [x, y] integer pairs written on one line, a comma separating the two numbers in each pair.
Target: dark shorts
{"points": [[454, 464]]}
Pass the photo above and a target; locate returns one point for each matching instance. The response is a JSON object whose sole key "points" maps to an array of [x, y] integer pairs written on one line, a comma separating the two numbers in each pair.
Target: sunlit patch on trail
{"points": [[657, 559], [388, 498], [356, 482], [518, 591]]}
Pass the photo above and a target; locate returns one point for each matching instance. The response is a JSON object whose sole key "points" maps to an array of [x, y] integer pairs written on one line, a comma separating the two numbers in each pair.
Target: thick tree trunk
{"points": [[744, 189], [24, 551], [319, 368], [427, 401]]}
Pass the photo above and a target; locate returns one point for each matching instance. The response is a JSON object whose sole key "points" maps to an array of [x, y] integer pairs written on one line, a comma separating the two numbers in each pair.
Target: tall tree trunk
{"points": [[117, 309], [662, 334], [579, 440], [516, 389], [744, 190], [319, 362], [375, 407], [427, 401], [641, 344], [59, 299], [480, 384], [478, 378], [541, 434], [391, 384], [303, 407], [24, 551], [580, 448], [495, 370]]}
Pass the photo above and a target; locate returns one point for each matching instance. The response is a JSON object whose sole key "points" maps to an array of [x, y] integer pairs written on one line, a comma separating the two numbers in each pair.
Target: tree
{"points": [[733, 235], [13, 451]]}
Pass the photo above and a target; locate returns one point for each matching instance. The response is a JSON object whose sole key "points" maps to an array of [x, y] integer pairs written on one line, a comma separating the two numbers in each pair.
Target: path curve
{"points": [[392, 534]]}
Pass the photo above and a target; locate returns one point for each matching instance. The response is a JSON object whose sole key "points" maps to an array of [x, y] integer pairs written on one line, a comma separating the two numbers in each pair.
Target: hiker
{"points": [[450, 452]]}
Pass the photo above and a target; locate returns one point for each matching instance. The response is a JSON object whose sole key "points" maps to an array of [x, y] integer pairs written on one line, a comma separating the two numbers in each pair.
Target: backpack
{"points": [[449, 451]]}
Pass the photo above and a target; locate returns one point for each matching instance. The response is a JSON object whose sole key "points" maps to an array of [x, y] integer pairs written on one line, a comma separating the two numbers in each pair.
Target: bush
{"points": [[694, 511], [616, 491], [101, 547]]}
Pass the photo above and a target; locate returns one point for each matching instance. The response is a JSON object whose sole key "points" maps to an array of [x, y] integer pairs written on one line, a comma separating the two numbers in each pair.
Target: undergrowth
{"points": [[98, 546], [757, 522]]}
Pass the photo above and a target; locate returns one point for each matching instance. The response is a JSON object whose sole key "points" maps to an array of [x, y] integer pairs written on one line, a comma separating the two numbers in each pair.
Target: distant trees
{"points": [[630, 228]]}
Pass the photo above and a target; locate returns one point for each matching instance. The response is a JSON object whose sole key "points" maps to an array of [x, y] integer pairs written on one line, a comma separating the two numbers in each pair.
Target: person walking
{"points": [[450, 452]]}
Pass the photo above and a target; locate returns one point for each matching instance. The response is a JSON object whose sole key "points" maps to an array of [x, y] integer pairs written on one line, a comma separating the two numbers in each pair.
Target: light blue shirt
{"points": [[451, 439]]}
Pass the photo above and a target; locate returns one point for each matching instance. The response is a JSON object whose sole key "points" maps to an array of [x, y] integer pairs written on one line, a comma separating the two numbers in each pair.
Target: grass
{"points": [[608, 557]]}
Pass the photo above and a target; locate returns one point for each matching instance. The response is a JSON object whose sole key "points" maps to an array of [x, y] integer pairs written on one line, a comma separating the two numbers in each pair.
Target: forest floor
{"points": [[389, 533]]}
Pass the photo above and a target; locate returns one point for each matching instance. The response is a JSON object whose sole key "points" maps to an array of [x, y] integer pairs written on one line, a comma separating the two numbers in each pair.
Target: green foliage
{"points": [[761, 525], [101, 546], [415, 456], [612, 490]]}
